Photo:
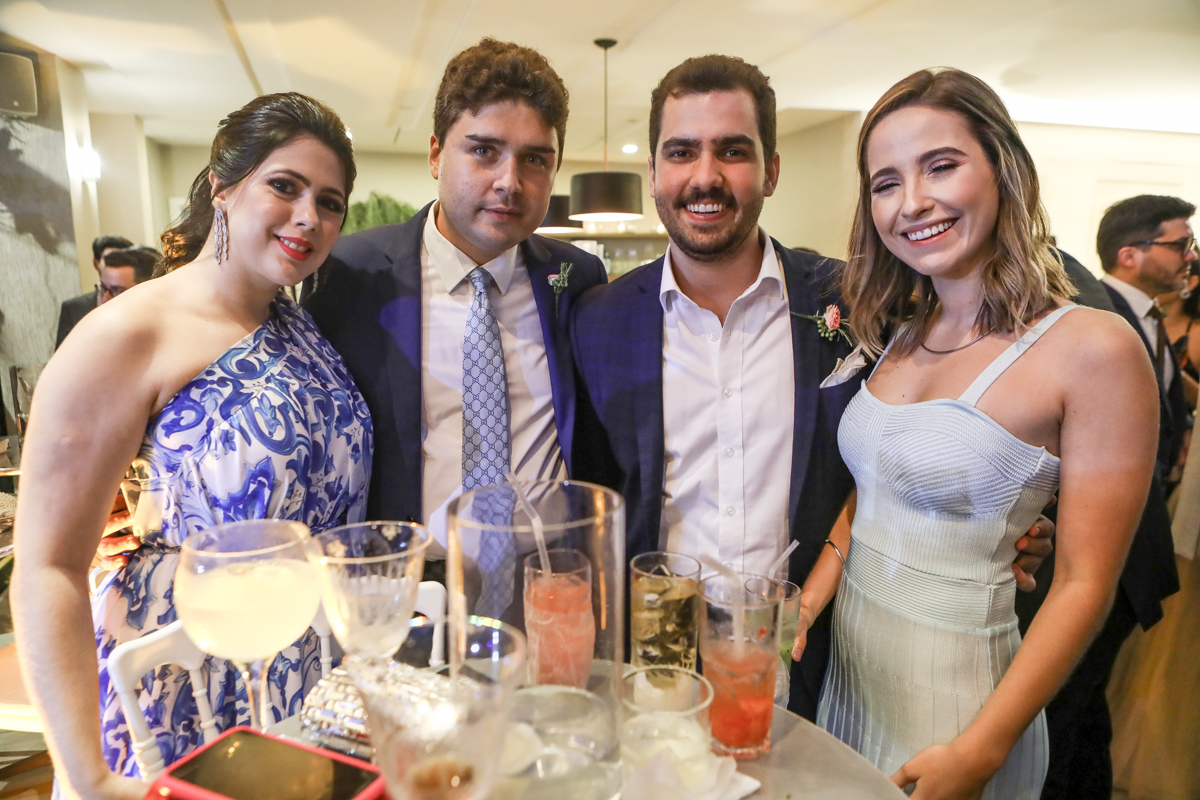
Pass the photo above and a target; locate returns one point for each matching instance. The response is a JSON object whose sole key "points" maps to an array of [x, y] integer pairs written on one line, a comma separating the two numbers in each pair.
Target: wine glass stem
{"points": [[264, 697], [251, 696]]}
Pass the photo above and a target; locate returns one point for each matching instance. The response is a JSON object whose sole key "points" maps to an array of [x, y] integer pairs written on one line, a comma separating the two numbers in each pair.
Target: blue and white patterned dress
{"points": [[274, 428]]}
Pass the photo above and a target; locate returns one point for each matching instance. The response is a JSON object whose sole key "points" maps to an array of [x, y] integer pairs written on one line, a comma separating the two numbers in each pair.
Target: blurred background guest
{"points": [[1180, 310], [1155, 687], [74, 309], [121, 270]]}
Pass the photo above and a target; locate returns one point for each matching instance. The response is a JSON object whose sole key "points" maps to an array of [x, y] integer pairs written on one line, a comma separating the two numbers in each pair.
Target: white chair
{"points": [[431, 603], [320, 626], [129, 662]]}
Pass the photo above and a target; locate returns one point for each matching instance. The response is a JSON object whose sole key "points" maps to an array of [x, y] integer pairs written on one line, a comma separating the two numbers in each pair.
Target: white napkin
{"points": [[658, 780], [846, 368]]}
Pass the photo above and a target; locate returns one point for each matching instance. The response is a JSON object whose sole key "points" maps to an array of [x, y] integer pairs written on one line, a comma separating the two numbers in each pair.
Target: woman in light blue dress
{"points": [[992, 393], [229, 405]]}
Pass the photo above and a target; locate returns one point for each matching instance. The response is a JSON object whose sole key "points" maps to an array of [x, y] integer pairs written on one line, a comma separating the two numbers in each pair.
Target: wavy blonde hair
{"points": [[1024, 276]]}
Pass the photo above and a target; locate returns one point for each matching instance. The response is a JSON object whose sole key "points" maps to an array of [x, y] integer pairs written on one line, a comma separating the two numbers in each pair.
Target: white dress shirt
{"points": [[446, 297], [1141, 303], [728, 409]]}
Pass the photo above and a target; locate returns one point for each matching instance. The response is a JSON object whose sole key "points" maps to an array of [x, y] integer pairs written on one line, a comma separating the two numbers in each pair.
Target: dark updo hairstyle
{"points": [[244, 140]]}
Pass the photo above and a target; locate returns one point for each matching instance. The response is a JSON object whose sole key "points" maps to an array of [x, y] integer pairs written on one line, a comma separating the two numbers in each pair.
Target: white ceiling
{"points": [[175, 63]]}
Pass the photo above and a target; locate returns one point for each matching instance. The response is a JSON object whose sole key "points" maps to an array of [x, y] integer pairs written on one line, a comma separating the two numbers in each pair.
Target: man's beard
{"points": [[712, 246]]}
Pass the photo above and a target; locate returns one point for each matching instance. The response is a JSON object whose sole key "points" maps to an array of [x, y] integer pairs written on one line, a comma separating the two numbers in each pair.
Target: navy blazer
{"points": [[617, 338], [368, 304], [1150, 574]]}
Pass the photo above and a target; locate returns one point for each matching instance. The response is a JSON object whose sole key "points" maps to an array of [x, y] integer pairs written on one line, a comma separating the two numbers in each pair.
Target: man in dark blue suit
{"points": [[712, 395], [412, 308], [1145, 246]]}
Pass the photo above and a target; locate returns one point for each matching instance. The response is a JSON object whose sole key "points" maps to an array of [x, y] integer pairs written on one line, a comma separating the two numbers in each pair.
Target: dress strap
{"points": [[1005, 360], [882, 356]]}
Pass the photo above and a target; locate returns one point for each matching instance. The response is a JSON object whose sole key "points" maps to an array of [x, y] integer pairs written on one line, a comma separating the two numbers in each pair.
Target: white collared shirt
{"points": [[728, 410], [446, 297], [1141, 303]]}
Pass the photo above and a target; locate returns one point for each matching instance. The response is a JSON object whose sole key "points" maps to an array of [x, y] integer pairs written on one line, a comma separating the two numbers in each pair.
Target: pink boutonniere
{"points": [[830, 324]]}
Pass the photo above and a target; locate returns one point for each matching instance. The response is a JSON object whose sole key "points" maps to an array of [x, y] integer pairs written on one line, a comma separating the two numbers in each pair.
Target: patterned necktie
{"points": [[485, 448], [1160, 347]]}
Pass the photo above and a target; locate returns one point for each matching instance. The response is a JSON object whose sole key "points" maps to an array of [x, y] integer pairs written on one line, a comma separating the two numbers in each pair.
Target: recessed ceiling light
{"points": [[629, 148]]}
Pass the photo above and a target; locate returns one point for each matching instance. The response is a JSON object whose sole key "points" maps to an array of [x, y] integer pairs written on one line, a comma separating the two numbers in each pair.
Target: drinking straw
{"points": [[777, 563], [739, 599], [457, 617], [535, 520]]}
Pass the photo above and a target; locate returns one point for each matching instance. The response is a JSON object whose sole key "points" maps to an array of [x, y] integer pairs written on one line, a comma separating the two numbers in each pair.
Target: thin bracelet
{"points": [[841, 557]]}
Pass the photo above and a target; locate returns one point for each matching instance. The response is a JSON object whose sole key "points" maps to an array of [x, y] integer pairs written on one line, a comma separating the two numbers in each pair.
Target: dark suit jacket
{"points": [[368, 304], [1089, 291], [617, 338], [1150, 573], [71, 312]]}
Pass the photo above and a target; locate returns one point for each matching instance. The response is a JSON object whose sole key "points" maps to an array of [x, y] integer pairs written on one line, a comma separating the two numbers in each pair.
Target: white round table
{"points": [[806, 763]]}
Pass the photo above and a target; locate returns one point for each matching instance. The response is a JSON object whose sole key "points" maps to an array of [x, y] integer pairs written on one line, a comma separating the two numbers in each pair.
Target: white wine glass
{"points": [[244, 591], [368, 573]]}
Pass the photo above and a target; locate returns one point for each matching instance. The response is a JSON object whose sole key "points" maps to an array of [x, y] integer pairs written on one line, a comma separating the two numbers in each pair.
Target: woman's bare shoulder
{"points": [[1092, 340], [121, 328]]}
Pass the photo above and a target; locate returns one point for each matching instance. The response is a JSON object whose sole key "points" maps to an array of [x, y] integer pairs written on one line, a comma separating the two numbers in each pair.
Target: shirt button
{"points": [[730, 511], [728, 451], [729, 392], [713, 337]]}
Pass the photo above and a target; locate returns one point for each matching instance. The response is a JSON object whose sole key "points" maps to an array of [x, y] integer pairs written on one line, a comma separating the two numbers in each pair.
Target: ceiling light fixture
{"points": [[629, 149], [606, 196], [557, 219]]}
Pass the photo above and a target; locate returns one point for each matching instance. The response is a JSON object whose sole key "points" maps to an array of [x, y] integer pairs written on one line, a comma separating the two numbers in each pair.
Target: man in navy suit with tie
{"points": [[454, 324], [712, 395]]}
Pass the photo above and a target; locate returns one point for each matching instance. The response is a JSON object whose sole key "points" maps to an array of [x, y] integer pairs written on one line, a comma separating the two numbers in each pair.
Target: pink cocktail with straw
{"points": [[559, 623], [739, 648]]}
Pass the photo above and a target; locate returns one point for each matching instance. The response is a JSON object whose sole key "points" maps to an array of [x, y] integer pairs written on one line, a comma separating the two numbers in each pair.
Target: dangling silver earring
{"points": [[1185, 293], [220, 236]]}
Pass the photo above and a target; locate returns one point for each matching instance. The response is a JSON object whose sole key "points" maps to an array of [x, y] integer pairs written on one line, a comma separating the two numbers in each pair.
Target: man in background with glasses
{"points": [[123, 269], [1146, 247], [74, 309]]}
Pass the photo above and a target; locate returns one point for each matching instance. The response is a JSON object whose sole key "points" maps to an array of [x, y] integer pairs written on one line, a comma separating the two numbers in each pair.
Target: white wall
{"points": [[813, 204], [123, 191], [1085, 170], [77, 134]]}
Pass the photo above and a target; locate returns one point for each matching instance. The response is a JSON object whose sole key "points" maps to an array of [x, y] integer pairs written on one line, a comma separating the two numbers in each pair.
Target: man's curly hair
{"points": [[497, 72]]}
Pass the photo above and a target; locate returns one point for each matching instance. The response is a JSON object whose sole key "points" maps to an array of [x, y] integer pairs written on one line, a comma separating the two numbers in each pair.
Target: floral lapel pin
{"points": [[558, 282], [829, 323]]}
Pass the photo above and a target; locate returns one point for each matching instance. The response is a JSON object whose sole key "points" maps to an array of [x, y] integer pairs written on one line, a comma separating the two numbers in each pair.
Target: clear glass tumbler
{"points": [[570, 709], [791, 621], [560, 628], [667, 716], [664, 609], [742, 672], [437, 737]]}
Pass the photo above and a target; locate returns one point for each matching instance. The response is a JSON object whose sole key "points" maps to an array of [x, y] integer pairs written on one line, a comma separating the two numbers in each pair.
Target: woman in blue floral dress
{"points": [[229, 404]]}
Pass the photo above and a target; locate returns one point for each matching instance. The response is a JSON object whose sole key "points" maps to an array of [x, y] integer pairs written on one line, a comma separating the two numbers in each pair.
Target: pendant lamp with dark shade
{"points": [[606, 196], [557, 219]]}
